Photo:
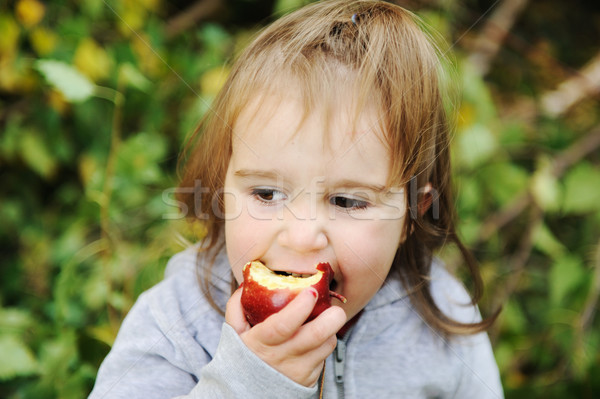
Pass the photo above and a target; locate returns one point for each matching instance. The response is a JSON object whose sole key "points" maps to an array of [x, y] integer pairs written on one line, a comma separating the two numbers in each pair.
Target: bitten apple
{"points": [[266, 292]]}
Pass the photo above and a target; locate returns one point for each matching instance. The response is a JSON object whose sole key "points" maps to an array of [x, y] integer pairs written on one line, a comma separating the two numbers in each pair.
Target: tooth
{"points": [[296, 275]]}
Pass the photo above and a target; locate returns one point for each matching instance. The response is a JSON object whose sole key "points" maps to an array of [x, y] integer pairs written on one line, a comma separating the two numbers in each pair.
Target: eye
{"points": [[348, 203], [268, 195]]}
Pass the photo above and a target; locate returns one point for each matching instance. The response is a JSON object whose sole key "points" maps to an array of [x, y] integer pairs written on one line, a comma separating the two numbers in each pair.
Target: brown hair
{"points": [[390, 59]]}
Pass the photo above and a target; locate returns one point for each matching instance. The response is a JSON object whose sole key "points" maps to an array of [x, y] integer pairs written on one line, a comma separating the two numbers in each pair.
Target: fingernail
{"points": [[314, 292]]}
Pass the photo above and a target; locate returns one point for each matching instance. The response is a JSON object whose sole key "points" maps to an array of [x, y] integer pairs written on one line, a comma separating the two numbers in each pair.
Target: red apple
{"points": [[266, 292]]}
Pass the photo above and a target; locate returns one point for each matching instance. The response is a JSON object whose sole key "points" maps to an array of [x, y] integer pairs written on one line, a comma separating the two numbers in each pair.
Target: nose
{"points": [[302, 232]]}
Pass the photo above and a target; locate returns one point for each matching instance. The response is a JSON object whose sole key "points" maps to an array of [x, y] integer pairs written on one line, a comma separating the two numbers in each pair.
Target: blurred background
{"points": [[98, 96]]}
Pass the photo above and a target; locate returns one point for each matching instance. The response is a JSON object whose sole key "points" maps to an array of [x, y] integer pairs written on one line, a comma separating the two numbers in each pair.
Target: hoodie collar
{"points": [[392, 290]]}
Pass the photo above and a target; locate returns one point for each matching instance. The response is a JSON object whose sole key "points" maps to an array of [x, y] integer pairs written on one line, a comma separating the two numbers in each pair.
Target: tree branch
{"points": [[585, 83], [590, 307], [568, 157], [489, 41], [518, 262], [187, 18]]}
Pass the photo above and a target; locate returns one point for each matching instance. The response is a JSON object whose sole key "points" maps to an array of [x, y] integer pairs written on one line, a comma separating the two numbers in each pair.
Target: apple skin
{"points": [[259, 302]]}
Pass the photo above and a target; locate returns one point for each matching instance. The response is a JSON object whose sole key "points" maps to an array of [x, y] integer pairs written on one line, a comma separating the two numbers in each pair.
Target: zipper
{"points": [[338, 365]]}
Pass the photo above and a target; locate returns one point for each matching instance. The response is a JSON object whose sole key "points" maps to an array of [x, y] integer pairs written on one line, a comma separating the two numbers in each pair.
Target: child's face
{"points": [[293, 198]]}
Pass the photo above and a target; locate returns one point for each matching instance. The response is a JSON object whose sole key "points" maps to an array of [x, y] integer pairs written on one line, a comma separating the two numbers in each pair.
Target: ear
{"points": [[426, 199]]}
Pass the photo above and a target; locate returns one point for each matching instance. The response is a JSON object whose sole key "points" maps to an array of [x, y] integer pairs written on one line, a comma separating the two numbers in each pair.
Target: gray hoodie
{"points": [[174, 344]]}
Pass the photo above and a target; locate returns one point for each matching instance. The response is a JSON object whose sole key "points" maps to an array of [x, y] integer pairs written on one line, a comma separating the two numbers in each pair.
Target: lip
{"points": [[303, 271], [295, 272], [292, 270]]}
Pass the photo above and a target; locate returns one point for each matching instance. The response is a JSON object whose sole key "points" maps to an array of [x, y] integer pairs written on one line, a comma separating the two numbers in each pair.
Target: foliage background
{"points": [[97, 97]]}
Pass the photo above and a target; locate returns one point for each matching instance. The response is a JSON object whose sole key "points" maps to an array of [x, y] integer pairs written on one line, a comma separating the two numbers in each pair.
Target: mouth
{"points": [[299, 275], [303, 275], [333, 285]]}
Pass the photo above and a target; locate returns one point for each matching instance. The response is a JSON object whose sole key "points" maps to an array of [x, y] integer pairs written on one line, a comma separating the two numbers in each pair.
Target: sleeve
{"points": [[480, 378], [236, 372], [149, 362], [144, 361]]}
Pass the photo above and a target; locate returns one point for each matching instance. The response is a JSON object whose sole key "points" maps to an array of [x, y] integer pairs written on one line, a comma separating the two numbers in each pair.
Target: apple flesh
{"points": [[266, 292]]}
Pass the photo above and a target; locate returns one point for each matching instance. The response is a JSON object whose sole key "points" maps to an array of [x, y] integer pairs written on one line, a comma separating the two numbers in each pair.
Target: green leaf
{"points": [[15, 319], [58, 356], [134, 78], [545, 188], [504, 180], [476, 93], [95, 290], [286, 6], [475, 145], [10, 137], [17, 359], [68, 80], [36, 154], [513, 318], [469, 197], [513, 135], [566, 274], [139, 156], [214, 36], [546, 242], [582, 189], [469, 228]]}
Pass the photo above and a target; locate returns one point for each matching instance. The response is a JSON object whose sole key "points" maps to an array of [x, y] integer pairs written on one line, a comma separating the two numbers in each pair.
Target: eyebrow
{"points": [[349, 183], [249, 173], [344, 183]]}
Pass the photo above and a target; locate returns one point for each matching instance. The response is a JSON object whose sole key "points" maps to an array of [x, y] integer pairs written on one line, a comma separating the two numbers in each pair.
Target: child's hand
{"points": [[282, 341]]}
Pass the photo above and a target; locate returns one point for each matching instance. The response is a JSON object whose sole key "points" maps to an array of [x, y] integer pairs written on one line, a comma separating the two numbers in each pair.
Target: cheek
{"points": [[366, 254], [247, 238], [239, 242], [373, 240]]}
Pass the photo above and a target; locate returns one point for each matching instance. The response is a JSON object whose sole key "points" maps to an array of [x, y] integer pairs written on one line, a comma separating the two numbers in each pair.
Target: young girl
{"points": [[328, 143]]}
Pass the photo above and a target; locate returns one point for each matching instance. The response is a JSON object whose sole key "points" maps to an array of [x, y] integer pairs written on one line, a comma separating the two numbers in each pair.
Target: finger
{"points": [[310, 364], [320, 333], [234, 313], [282, 325]]}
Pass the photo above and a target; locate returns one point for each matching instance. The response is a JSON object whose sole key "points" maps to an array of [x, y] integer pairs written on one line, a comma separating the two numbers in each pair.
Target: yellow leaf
{"points": [[466, 116], [9, 76], [88, 167], [103, 333], [43, 40], [212, 80], [29, 12], [92, 60], [57, 101], [131, 21], [149, 59], [152, 5], [8, 38], [16, 76]]}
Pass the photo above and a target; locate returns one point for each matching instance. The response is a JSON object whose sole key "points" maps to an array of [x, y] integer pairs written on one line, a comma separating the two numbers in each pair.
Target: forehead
{"points": [[277, 132], [332, 119]]}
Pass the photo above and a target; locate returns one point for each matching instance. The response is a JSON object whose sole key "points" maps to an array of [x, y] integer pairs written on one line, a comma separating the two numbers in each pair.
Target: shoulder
{"points": [[451, 296], [180, 297], [177, 308], [480, 376], [168, 336]]}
